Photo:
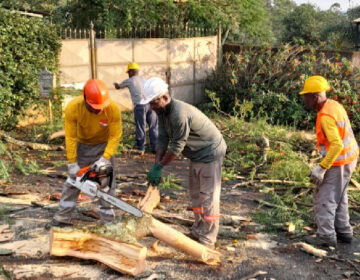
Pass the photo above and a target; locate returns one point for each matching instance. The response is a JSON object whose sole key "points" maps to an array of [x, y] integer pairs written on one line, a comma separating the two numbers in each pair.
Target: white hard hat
{"points": [[153, 88]]}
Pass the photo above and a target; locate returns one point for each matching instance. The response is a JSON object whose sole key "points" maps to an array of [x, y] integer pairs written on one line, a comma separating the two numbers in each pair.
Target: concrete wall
{"points": [[183, 63]]}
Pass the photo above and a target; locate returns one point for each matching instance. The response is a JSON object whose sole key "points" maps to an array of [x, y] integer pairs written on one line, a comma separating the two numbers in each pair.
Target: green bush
{"points": [[27, 45], [272, 78]]}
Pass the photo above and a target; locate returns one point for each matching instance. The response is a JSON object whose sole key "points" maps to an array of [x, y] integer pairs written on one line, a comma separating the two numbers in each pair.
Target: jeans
{"points": [[144, 115]]}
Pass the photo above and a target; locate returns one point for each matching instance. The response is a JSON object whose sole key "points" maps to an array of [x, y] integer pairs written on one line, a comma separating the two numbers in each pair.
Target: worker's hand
{"points": [[73, 169], [317, 174], [154, 175], [102, 161], [116, 85]]}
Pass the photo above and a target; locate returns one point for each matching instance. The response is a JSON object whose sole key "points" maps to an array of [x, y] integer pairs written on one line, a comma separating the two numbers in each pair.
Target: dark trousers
{"points": [[144, 115]]}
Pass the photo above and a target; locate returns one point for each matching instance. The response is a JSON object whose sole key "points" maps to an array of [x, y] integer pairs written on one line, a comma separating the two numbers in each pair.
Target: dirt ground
{"points": [[242, 255]]}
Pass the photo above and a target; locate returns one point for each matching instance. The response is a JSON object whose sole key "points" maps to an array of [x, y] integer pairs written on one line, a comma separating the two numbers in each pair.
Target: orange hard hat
{"points": [[96, 94]]}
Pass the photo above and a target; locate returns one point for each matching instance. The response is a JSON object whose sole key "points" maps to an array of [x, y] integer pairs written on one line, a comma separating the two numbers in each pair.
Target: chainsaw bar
{"points": [[90, 188]]}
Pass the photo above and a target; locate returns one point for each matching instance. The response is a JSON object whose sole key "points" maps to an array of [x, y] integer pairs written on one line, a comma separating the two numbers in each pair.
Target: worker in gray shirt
{"points": [[185, 129], [142, 112]]}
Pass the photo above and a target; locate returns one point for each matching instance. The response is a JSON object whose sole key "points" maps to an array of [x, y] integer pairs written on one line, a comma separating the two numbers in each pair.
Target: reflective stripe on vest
{"points": [[350, 148], [212, 218]]}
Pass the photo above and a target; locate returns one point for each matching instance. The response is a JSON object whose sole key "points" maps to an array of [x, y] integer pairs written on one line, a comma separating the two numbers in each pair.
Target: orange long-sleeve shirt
{"points": [[91, 129]]}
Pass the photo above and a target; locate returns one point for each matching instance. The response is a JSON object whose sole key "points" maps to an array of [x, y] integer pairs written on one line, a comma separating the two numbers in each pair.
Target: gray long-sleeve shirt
{"points": [[185, 129], [136, 86]]}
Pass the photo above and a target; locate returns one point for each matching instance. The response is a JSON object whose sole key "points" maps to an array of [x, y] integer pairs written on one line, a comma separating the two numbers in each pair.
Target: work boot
{"points": [[56, 223], [209, 245], [321, 241], [344, 237], [193, 236]]}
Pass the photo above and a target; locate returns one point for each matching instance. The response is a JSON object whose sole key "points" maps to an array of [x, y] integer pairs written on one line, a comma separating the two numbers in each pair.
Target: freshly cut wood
{"points": [[123, 257], [179, 241], [310, 249], [150, 201]]}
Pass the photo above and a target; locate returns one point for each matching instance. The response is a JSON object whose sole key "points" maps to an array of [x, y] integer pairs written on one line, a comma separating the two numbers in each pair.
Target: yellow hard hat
{"points": [[132, 66], [315, 84]]}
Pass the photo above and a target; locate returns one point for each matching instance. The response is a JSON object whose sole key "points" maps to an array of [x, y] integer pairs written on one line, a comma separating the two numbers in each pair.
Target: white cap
{"points": [[153, 88]]}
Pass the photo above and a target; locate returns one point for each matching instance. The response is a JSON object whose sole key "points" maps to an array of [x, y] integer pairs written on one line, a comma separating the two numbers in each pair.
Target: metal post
{"points": [[92, 51], [219, 46]]}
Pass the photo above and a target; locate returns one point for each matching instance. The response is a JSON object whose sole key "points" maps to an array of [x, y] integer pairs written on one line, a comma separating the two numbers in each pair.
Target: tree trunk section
{"points": [[179, 241], [123, 257]]}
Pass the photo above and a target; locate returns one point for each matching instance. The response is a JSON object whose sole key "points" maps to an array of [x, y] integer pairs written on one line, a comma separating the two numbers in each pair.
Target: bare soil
{"points": [[242, 255]]}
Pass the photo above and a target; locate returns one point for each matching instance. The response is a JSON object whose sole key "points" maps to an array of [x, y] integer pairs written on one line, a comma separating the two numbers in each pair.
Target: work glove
{"points": [[154, 175], [102, 161], [116, 85], [317, 174], [73, 169]]}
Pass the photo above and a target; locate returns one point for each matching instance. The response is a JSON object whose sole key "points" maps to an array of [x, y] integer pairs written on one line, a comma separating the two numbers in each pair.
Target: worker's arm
{"points": [[331, 131], [115, 131], [71, 133], [162, 142], [181, 129], [124, 84]]}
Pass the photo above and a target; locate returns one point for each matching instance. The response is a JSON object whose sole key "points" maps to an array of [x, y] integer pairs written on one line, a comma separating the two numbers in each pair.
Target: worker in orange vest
{"points": [[338, 146]]}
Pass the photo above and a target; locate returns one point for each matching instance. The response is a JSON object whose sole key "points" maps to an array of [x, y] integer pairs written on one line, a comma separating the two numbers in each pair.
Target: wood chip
{"points": [[4, 228], [308, 229], [7, 236], [291, 227], [252, 237]]}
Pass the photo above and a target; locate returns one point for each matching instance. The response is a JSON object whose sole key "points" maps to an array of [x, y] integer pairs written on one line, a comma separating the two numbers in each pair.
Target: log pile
{"points": [[117, 245]]}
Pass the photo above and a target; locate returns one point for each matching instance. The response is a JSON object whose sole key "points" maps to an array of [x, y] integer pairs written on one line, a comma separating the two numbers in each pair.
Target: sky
{"points": [[326, 4]]}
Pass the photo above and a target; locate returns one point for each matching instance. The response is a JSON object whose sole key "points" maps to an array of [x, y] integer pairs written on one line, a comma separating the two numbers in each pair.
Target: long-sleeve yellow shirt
{"points": [[331, 131], [91, 129]]}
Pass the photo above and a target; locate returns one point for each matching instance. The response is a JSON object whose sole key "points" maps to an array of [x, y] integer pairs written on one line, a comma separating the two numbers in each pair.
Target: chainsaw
{"points": [[97, 184]]}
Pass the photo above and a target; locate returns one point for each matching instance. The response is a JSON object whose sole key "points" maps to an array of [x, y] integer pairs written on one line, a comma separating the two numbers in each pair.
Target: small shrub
{"points": [[170, 182], [27, 46], [271, 80]]}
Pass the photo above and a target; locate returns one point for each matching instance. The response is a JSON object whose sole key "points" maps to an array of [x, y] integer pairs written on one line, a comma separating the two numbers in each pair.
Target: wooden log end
{"points": [[123, 257]]}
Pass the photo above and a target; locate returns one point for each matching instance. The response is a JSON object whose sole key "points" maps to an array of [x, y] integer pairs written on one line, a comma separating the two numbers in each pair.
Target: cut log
{"points": [[150, 201], [123, 257], [179, 241]]}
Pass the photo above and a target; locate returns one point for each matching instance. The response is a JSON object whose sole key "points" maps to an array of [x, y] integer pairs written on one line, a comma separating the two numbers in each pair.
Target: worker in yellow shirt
{"points": [[92, 134], [338, 146]]}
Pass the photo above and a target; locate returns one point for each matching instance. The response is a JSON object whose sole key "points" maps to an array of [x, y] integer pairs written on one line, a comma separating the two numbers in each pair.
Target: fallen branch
{"points": [[310, 249], [355, 183], [33, 146], [266, 181], [254, 275], [275, 205]]}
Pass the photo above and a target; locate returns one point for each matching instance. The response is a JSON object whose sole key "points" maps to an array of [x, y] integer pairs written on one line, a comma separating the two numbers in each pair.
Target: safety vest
{"points": [[337, 112]]}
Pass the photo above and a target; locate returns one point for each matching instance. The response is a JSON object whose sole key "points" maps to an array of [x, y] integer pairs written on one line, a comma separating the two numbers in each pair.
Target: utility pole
{"points": [[92, 51]]}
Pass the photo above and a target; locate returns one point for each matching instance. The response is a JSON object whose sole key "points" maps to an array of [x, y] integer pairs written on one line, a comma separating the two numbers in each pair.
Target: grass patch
{"points": [[170, 182]]}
